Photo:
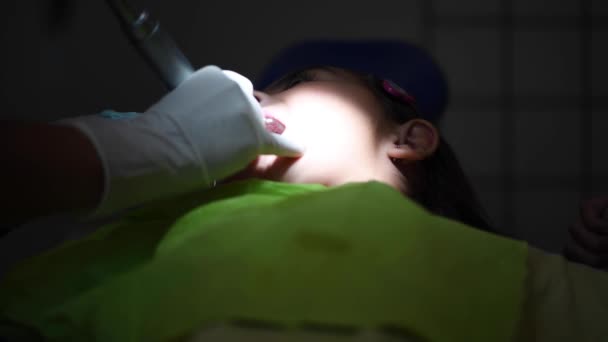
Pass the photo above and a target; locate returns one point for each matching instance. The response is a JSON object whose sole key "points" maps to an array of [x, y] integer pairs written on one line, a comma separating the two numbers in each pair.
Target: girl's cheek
{"points": [[301, 129]]}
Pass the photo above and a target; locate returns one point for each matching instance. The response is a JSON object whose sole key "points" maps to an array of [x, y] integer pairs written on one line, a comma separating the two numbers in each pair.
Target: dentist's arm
{"points": [[46, 169], [207, 129]]}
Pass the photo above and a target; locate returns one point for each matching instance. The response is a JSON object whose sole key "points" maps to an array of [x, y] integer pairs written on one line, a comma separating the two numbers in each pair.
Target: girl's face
{"points": [[335, 116]]}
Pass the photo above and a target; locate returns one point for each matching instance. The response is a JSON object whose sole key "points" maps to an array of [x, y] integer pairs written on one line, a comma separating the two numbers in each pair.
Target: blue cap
{"points": [[409, 66]]}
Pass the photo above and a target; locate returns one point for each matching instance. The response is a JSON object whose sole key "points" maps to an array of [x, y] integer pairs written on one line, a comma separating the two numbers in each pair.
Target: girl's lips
{"points": [[273, 124]]}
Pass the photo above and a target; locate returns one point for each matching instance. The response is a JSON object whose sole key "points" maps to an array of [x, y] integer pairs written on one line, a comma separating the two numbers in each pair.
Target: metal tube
{"points": [[154, 44]]}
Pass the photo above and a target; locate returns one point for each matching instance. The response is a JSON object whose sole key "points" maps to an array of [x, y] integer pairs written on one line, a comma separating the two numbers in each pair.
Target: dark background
{"points": [[528, 79]]}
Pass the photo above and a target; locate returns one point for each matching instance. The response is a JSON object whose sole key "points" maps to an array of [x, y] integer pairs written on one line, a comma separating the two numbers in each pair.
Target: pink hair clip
{"points": [[397, 92]]}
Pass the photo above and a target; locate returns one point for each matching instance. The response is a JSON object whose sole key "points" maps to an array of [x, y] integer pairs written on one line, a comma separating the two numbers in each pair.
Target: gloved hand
{"points": [[588, 240], [208, 128]]}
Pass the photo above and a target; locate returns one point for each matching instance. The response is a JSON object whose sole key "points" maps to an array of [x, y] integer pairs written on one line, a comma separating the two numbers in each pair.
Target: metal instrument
{"points": [[154, 44]]}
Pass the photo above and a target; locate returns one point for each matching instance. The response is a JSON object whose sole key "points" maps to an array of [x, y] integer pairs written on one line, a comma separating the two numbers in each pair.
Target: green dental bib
{"points": [[360, 256]]}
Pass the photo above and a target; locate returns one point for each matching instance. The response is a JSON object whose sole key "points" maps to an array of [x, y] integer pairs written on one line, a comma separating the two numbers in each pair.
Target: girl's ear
{"points": [[414, 140]]}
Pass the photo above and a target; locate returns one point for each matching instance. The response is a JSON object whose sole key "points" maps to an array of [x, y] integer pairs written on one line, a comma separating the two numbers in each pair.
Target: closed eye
{"points": [[292, 80], [300, 77]]}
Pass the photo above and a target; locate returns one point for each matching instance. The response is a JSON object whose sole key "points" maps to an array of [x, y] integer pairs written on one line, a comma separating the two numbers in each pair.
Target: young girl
{"points": [[328, 245], [358, 128]]}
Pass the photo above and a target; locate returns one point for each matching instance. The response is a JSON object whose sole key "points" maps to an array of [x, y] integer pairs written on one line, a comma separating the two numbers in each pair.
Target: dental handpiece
{"points": [[154, 44]]}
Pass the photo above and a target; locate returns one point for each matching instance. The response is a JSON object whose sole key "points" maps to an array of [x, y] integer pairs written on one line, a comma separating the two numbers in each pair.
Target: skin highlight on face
{"points": [[336, 116]]}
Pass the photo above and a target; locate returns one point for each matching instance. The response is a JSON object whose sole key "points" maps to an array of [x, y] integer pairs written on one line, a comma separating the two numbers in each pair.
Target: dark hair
{"points": [[438, 183], [446, 191]]}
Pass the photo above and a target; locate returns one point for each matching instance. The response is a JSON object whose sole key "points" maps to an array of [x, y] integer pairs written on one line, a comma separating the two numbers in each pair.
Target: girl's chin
{"points": [[269, 167], [264, 163], [273, 167]]}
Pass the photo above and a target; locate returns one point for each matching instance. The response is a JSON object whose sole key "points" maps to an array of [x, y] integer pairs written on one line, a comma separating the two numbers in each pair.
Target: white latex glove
{"points": [[208, 128]]}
